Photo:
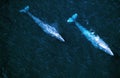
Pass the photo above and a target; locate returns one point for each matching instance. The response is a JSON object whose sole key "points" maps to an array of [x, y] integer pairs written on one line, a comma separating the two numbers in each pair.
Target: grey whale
{"points": [[94, 39]]}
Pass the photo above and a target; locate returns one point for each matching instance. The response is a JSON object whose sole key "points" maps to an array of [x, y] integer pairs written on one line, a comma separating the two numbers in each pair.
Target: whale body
{"points": [[94, 39], [45, 27]]}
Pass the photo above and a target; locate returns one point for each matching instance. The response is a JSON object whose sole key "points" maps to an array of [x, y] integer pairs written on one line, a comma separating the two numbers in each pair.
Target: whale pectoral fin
{"points": [[54, 25]]}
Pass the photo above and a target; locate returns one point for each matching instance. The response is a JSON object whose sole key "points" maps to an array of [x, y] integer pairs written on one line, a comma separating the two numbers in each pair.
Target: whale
{"points": [[45, 27], [96, 41]]}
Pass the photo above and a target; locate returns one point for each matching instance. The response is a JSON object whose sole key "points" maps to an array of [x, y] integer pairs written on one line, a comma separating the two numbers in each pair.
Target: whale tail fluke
{"points": [[24, 10], [73, 18]]}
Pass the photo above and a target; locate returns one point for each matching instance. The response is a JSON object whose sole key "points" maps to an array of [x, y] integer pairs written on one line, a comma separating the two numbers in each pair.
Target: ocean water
{"points": [[27, 52]]}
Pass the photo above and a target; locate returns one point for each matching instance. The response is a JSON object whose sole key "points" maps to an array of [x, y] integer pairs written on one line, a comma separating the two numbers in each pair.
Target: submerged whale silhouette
{"points": [[95, 40], [46, 28]]}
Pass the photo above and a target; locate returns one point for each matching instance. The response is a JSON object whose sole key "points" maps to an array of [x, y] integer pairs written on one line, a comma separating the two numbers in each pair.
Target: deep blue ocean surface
{"points": [[28, 52]]}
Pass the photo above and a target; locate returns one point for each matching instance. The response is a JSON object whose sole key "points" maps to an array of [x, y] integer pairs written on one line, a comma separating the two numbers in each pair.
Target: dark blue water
{"points": [[27, 52]]}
